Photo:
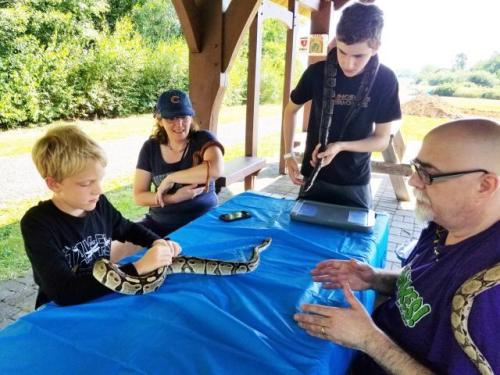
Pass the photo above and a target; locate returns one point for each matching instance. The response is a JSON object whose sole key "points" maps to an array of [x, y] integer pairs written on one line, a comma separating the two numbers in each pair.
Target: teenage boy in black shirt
{"points": [[357, 81]]}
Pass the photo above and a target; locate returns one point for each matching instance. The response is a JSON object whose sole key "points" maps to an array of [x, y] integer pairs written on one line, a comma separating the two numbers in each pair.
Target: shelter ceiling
{"points": [[306, 6]]}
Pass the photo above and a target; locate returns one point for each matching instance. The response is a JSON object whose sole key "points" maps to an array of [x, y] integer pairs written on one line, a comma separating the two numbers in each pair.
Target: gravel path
{"points": [[21, 179]]}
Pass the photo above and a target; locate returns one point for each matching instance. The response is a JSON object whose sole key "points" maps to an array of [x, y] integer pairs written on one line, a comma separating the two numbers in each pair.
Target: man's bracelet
{"points": [[289, 155]]}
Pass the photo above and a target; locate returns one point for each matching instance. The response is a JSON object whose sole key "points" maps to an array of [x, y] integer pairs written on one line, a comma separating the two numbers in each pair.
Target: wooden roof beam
{"points": [[189, 17], [313, 5], [278, 12], [237, 19], [337, 4]]}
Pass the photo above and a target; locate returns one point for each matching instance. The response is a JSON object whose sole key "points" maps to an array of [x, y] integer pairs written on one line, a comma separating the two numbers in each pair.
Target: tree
{"points": [[156, 21], [460, 61]]}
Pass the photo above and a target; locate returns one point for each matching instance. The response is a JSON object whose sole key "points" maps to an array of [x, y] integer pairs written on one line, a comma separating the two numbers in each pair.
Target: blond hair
{"points": [[65, 151]]}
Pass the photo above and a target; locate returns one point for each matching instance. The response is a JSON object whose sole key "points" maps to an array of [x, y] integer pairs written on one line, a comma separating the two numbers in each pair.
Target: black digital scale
{"points": [[344, 217]]}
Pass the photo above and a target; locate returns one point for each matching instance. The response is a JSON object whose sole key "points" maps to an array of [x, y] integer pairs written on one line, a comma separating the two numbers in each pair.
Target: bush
{"points": [[469, 92], [482, 78], [109, 73], [441, 77], [443, 90], [166, 67], [156, 21], [491, 94]]}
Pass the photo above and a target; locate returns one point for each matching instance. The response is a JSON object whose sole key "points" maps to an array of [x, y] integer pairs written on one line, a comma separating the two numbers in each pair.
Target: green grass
{"points": [[13, 261], [20, 141], [414, 128], [472, 105]]}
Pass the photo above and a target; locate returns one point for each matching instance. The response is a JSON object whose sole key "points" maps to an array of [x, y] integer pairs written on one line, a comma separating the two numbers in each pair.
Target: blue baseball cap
{"points": [[174, 103]]}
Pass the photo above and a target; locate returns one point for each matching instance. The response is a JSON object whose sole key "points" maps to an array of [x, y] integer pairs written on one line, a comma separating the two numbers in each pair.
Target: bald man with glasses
{"points": [[442, 314]]}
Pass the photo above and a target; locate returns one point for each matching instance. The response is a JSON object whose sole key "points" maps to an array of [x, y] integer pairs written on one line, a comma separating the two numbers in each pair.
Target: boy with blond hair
{"points": [[65, 235]]}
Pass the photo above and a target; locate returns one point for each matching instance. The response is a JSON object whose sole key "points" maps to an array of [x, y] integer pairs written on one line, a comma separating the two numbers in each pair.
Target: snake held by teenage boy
{"points": [[460, 310], [112, 277], [328, 103]]}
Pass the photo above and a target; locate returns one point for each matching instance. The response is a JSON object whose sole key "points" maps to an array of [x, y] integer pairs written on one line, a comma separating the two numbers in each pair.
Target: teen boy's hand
{"points": [[159, 255], [294, 172], [326, 157]]}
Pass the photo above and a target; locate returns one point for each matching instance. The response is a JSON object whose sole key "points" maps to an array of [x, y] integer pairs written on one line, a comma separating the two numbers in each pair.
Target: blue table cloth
{"points": [[198, 324]]}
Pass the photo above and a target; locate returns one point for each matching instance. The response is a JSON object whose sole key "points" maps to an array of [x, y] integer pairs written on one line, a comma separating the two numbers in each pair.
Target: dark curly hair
{"points": [[361, 22], [161, 135]]}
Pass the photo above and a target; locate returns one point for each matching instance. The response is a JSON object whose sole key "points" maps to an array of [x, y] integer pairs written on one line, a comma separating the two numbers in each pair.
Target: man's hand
{"points": [[325, 157], [352, 326], [334, 273], [159, 255], [293, 171]]}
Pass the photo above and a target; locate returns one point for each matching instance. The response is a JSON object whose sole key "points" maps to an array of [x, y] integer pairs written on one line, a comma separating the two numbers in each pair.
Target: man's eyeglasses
{"points": [[428, 178]]}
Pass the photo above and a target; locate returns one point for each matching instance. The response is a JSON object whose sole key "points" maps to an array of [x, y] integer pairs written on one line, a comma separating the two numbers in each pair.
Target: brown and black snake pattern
{"points": [[112, 277], [460, 311]]}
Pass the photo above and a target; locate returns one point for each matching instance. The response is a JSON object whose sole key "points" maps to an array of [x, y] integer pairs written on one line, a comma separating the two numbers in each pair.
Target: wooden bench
{"points": [[393, 164], [238, 169]]}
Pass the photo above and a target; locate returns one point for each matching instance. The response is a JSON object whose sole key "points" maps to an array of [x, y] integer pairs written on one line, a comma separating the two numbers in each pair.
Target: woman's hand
{"points": [[164, 186], [186, 193]]}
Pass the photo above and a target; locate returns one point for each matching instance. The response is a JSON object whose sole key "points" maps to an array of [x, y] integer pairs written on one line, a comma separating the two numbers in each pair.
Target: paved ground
{"points": [[17, 297]]}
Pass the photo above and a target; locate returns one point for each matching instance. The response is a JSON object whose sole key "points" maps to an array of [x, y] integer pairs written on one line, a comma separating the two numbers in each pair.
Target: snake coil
{"points": [[112, 277]]}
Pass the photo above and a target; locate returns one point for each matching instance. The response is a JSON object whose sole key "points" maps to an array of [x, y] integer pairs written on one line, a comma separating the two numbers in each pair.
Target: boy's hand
{"points": [[157, 256], [325, 157], [293, 171], [176, 248]]}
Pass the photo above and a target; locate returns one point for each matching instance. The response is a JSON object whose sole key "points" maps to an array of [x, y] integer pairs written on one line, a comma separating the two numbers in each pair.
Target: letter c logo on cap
{"points": [[175, 99]]}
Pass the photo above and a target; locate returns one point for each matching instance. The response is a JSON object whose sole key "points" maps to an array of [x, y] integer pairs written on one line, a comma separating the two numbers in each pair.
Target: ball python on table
{"points": [[460, 310], [112, 277]]}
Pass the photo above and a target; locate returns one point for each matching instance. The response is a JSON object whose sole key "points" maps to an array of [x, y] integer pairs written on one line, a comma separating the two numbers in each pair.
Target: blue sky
{"points": [[418, 33]]}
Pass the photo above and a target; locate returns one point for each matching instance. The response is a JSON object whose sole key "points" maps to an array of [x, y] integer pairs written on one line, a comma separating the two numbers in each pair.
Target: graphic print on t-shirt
{"points": [[410, 304], [348, 100], [86, 251]]}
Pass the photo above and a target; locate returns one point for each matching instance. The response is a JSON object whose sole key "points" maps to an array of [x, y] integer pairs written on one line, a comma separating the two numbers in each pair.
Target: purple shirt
{"points": [[418, 317]]}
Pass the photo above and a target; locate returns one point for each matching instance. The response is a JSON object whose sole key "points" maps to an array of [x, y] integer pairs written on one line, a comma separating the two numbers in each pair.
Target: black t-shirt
{"points": [[62, 249], [381, 106], [151, 160]]}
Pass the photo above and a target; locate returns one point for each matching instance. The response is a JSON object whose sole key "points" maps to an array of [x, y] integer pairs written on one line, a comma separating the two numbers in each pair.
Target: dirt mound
{"points": [[430, 106]]}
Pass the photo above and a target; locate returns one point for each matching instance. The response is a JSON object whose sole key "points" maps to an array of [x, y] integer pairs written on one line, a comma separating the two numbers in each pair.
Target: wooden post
{"points": [[213, 38], [320, 24], [291, 38], [207, 83], [253, 91]]}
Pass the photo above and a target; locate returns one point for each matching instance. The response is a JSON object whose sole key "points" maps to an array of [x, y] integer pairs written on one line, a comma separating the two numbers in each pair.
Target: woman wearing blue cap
{"points": [[181, 162]]}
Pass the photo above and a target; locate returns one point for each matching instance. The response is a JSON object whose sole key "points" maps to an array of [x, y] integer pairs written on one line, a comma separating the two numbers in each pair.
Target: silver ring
{"points": [[323, 333]]}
